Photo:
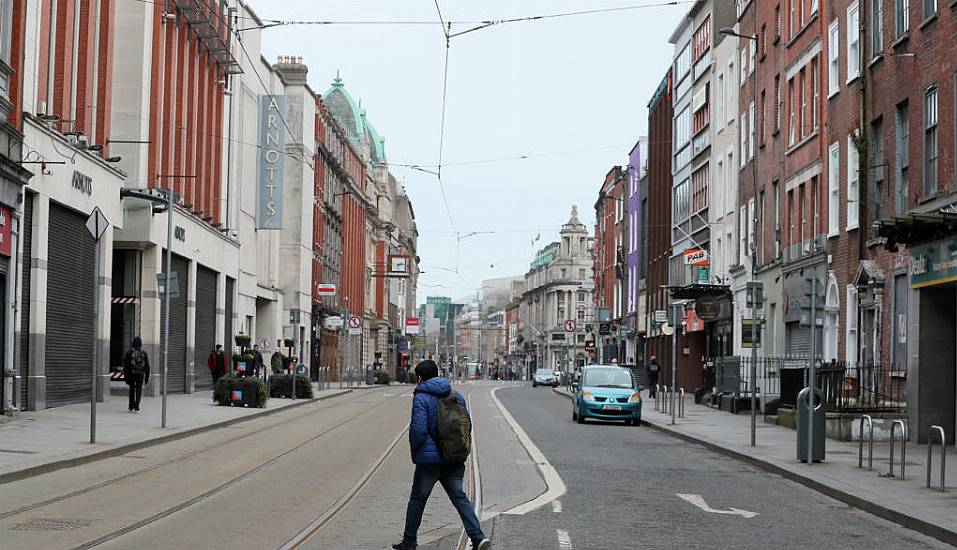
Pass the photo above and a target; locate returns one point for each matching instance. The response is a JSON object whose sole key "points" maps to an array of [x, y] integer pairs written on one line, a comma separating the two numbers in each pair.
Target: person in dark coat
{"points": [[652, 371], [430, 467], [136, 372], [217, 363]]}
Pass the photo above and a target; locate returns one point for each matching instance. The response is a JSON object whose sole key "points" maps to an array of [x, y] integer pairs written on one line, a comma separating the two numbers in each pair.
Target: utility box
{"points": [[807, 416]]}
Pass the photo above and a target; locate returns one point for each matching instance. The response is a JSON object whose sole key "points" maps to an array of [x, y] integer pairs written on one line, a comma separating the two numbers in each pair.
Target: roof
{"points": [[353, 118]]}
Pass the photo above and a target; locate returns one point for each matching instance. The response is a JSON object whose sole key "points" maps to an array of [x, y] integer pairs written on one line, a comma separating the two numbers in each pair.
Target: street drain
{"points": [[47, 524]]}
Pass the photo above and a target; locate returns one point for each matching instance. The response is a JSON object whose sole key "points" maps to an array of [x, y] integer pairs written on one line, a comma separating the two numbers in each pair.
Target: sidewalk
{"points": [[43, 441], [907, 502]]}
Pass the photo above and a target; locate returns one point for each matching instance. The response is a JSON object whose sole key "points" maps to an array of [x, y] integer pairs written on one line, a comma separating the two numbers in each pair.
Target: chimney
{"points": [[291, 69]]}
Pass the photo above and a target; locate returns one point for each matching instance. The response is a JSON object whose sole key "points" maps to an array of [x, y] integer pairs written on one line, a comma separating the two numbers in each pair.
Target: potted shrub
{"points": [[242, 340], [280, 385], [382, 377], [240, 391]]}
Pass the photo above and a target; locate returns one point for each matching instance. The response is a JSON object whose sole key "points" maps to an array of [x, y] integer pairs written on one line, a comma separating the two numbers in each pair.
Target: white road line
{"points": [[564, 541], [557, 506], [555, 487], [699, 501]]}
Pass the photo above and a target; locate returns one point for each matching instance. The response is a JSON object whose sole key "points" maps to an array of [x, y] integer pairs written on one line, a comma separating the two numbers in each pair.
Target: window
{"points": [[744, 64], [850, 350], [877, 172], [814, 4], [762, 212], [763, 40], [777, 102], [731, 101], [719, 94], [833, 68], [682, 129], [802, 115], [930, 141], [815, 202], [751, 132], [901, 18], [752, 246], [581, 277], [853, 176], [802, 217], [682, 64], [744, 138], [815, 93], [901, 156], [877, 27], [777, 23], [930, 8], [682, 200], [742, 235], [752, 48], [792, 122], [853, 41], [764, 116], [793, 18], [791, 217], [833, 190]]}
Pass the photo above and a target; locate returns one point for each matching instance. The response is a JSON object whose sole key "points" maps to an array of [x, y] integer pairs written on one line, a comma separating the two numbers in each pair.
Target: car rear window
{"points": [[608, 378], [545, 372]]}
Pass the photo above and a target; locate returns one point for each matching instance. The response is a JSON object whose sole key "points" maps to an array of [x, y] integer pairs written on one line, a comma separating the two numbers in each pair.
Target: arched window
{"points": [[832, 315]]}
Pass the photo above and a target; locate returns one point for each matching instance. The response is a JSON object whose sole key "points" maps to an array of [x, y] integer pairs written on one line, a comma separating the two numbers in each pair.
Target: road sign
{"points": [[334, 322], [173, 284], [661, 316], [97, 223], [570, 325], [326, 290], [604, 329], [355, 325], [411, 325], [265, 344], [667, 329]]}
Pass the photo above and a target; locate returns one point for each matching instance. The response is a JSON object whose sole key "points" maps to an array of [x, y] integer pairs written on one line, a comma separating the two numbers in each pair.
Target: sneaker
{"points": [[403, 546], [483, 544]]}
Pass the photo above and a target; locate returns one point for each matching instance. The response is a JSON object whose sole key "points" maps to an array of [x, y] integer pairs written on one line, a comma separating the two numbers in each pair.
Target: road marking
{"points": [[555, 487], [564, 541], [699, 501], [557, 506]]}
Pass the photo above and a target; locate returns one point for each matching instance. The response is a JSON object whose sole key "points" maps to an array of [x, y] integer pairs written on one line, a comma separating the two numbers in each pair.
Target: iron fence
{"points": [[846, 387]]}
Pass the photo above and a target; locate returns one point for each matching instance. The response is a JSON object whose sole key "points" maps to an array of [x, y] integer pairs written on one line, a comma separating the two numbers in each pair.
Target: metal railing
{"points": [[845, 386], [890, 471], [870, 444], [930, 457]]}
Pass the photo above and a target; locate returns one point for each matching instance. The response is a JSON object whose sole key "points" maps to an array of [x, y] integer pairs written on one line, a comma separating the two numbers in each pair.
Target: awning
{"points": [[693, 292], [916, 228]]}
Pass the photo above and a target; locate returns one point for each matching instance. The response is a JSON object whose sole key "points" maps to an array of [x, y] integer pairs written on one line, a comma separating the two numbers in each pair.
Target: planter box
{"points": [[280, 385], [240, 392]]}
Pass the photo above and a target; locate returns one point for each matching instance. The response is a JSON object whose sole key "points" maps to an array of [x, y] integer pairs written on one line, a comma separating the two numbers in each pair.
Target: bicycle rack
{"points": [[890, 471], [870, 445], [681, 402], [666, 402], [943, 454]]}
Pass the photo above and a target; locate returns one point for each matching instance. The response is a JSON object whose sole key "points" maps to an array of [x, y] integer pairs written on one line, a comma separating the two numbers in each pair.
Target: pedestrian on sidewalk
{"points": [[136, 372], [217, 363], [652, 371], [430, 466], [258, 361]]}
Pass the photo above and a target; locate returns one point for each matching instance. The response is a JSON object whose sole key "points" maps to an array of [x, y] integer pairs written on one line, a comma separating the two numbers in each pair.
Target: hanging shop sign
{"points": [[934, 263], [411, 325], [696, 256], [692, 322], [272, 154], [6, 235]]}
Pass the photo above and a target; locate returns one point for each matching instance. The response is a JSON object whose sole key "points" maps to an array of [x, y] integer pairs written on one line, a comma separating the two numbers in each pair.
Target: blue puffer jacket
{"points": [[423, 428]]}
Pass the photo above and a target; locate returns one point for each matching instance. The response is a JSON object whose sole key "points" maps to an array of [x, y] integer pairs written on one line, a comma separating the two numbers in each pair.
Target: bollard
{"points": [[664, 399], [870, 445], [943, 454], [681, 402], [890, 471], [658, 397]]}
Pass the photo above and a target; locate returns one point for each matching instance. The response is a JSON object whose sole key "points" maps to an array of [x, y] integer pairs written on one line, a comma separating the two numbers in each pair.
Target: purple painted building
{"points": [[634, 307]]}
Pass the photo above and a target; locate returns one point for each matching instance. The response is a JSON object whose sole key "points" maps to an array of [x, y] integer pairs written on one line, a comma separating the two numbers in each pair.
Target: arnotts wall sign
{"points": [[272, 154]]}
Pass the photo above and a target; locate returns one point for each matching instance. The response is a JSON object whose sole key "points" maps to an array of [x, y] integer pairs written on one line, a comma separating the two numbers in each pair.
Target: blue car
{"points": [[607, 392]]}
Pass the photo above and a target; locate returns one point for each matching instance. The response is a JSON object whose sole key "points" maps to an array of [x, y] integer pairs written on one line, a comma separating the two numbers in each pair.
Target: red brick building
{"points": [[660, 127], [609, 265]]}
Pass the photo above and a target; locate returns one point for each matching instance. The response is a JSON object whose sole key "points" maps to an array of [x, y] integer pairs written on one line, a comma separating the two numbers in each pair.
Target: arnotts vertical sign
{"points": [[272, 154]]}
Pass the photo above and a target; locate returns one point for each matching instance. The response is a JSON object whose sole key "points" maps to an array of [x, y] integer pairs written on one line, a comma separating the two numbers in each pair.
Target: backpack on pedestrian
{"points": [[454, 432], [138, 362]]}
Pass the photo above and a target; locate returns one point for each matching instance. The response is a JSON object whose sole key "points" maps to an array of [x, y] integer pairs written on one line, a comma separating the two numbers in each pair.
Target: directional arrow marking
{"points": [[699, 501]]}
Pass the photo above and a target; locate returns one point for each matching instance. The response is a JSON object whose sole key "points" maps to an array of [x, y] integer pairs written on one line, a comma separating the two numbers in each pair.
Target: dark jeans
{"points": [[136, 391], [652, 382], [451, 479], [217, 374]]}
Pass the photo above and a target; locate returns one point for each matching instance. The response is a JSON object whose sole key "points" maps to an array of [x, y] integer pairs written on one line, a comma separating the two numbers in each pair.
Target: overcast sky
{"points": [[571, 93]]}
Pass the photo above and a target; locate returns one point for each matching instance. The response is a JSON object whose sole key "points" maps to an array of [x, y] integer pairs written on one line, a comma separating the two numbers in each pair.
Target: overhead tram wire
{"points": [[445, 89]]}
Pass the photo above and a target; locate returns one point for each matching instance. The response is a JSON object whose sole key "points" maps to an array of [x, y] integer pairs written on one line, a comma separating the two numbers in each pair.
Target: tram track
{"points": [[205, 495], [154, 467]]}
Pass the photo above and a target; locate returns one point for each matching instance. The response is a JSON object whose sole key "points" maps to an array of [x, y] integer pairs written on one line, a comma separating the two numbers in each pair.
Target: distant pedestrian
{"points": [[652, 371], [217, 363], [258, 361], [429, 452], [136, 372]]}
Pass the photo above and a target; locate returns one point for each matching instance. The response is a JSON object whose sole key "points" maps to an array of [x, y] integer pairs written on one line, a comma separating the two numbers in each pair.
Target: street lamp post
{"points": [[752, 284]]}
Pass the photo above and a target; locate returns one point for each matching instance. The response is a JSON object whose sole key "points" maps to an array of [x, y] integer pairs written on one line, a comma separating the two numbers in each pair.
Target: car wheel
{"points": [[575, 414], [581, 418], [534, 384], [636, 421]]}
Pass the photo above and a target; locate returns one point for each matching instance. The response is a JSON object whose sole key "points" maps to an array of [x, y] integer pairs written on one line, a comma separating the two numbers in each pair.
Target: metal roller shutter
{"points": [[798, 339], [228, 344], [176, 374], [26, 274], [69, 334], [205, 325]]}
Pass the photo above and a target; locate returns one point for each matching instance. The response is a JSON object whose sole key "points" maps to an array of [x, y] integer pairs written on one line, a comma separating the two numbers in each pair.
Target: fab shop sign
{"points": [[272, 155]]}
